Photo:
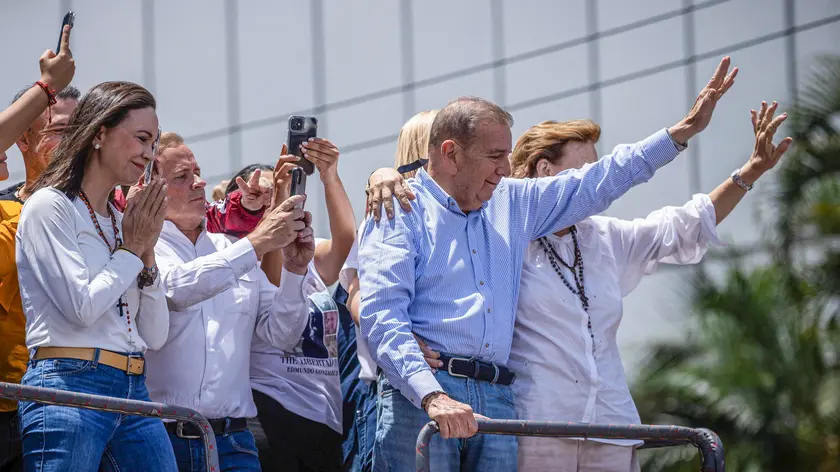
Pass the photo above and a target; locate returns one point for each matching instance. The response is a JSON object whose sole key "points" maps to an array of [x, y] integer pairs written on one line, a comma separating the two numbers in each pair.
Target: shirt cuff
{"points": [[128, 262], [291, 285], [419, 385], [241, 257], [708, 219], [659, 149]]}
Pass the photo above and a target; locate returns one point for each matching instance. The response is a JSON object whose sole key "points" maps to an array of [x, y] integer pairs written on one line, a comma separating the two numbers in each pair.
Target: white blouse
{"points": [[70, 283], [558, 376]]}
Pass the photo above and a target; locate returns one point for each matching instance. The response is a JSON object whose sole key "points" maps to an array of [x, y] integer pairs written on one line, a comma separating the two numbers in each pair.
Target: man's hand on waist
{"points": [[455, 419]]}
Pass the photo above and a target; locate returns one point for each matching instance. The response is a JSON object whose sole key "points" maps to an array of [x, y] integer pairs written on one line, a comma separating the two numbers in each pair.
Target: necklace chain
{"points": [[122, 303], [576, 268]]}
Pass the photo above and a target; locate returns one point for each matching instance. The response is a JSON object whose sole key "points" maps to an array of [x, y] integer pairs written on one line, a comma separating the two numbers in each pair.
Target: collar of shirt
{"points": [[439, 194]]}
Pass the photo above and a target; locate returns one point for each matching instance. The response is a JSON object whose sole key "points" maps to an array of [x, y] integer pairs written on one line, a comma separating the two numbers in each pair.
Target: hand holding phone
{"points": [[298, 186], [69, 19], [301, 129], [57, 70]]}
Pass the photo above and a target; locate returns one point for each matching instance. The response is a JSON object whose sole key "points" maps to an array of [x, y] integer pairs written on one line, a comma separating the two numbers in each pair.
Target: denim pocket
{"points": [[65, 367], [244, 442], [505, 393]]}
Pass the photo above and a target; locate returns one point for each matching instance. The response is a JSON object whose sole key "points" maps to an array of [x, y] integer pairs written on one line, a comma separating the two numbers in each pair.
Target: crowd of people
{"points": [[461, 295]]}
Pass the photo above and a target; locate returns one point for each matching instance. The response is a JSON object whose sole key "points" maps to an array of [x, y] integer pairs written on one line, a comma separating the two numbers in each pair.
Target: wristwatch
{"points": [[736, 177], [428, 398], [147, 277]]}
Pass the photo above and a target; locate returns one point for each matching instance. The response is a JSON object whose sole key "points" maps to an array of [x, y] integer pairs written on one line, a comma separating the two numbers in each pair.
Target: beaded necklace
{"points": [[577, 271], [122, 303]]}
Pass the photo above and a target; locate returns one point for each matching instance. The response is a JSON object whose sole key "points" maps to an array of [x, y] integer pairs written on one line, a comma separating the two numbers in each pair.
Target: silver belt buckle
{"points": [[128, 365], [449, 366], [179, 431]]}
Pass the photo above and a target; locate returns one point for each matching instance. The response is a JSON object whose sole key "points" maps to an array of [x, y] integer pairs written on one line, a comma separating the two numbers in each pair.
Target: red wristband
{"points": [[47, 90]]}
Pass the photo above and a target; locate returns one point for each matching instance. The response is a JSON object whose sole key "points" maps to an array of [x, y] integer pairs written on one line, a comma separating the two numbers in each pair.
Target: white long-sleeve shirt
{"points": [[218, 299], [558, 376], [70, 283]]}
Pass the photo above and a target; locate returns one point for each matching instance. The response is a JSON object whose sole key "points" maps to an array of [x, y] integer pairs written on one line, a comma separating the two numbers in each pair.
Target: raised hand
{"points": [[57, 70], [700, 115], [143, 218], [282, 177], [323, 154], [383, 184], [296, 256], [279, 226], [765, 154], [254, 196]]}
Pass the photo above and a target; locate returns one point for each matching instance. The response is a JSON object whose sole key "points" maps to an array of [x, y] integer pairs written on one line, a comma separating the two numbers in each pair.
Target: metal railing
{"points": [[51, 396], [709, 444]]}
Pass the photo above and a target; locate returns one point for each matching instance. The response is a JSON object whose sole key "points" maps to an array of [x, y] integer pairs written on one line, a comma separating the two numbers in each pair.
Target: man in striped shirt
{"points": [[449, 270]]}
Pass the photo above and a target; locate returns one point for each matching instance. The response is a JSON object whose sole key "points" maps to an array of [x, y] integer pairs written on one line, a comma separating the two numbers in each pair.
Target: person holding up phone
{"points": [[297, 391], [90, 289], [220, 301], [26, 121]]}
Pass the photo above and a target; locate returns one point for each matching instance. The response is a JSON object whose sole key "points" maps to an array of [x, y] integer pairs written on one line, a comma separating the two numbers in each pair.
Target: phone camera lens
{"points": [[297, 124]]}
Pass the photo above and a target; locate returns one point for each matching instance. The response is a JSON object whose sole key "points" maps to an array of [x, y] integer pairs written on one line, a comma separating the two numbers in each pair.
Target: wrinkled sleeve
{"points": [[671, 235], [283, 310], [47, 240], [387, 258]]}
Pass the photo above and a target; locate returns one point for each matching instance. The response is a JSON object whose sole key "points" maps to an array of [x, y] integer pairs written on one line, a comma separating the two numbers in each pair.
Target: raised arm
{"points": [[283, 311], [764, 157], [331, 254], [56, 72], [547, 205]]}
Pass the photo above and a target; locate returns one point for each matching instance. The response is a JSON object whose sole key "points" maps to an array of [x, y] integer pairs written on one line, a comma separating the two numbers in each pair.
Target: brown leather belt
{"points": [[127, 364]]}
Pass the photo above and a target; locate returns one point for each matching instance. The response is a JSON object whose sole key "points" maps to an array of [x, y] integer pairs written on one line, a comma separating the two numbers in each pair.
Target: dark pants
{"points": [[293, 443], [11, 453]]}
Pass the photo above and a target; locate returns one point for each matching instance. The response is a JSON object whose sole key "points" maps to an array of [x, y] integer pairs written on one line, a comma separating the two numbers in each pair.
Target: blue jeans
{"points": [[61, 438], [237, 452], [399, 423], [359, 399]]}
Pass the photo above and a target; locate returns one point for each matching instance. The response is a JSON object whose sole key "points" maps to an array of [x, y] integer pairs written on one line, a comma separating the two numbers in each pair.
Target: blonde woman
{"points": [[360, 390]]}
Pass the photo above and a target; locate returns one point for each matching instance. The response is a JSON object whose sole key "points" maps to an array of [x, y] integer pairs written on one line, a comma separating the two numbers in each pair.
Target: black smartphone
{"points": [[69, 19], [301, 128], [298, 183]]}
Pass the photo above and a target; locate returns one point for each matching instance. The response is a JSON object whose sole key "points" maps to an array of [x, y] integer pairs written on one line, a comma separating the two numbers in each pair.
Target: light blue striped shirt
{"points": [[453, 278]]}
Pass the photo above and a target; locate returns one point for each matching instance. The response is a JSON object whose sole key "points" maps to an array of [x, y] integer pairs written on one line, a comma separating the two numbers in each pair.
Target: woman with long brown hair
{"points": [[90, 290]]}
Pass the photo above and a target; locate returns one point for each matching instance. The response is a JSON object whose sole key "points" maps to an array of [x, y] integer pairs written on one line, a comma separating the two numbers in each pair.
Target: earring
{"points": [[96, 146]]}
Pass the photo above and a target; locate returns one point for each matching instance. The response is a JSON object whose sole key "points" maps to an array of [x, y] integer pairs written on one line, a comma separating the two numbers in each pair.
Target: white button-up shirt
{"points": [[558, 376], [70, 283], [218, 300]]}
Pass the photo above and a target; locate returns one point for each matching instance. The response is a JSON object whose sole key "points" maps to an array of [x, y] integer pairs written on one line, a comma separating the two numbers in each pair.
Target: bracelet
{"points": [[147, 276], [49, 91], [736, 177]]}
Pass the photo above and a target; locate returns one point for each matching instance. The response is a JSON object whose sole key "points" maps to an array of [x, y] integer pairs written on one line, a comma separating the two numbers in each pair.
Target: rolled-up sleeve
{"points": [[671, 235]]}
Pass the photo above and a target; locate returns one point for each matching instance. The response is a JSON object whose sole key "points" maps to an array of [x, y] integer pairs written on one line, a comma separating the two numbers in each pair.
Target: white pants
{"points": [[571, 455]]}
